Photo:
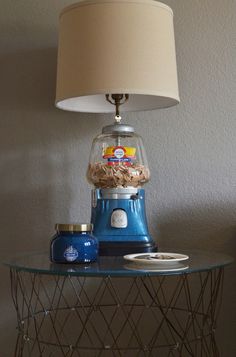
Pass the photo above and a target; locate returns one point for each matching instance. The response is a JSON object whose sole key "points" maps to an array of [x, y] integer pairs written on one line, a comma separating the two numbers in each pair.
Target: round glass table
{"points": [[117, 308]]}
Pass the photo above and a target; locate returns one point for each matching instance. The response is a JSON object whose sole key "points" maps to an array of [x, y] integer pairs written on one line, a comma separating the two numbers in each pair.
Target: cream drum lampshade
{"points": [[116, 47]]}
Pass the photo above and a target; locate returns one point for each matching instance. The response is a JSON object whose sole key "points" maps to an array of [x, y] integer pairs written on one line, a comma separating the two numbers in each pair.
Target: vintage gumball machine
{"points": [[125, 48], [118, 169]]}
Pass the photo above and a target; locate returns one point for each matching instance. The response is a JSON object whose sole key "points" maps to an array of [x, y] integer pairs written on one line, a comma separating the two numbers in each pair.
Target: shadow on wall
{"points": [[28, 80], [26, 94], [41, 147], [210, 227]]}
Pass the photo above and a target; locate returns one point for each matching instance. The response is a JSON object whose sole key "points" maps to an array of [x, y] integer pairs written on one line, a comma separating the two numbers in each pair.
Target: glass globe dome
{"points": [[118, 159]]}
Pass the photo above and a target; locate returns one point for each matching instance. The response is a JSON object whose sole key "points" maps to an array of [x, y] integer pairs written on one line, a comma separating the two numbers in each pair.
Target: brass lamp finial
{"points": [[117, 100]]}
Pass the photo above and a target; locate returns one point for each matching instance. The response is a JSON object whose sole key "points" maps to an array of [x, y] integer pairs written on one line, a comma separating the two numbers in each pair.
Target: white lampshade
{"points": [[116, 47]]}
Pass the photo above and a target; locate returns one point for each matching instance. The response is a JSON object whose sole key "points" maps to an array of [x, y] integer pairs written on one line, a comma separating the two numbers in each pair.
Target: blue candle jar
{"points": [[74, 243]]}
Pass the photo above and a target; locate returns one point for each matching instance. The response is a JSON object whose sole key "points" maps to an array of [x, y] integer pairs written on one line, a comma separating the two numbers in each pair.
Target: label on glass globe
{"points": [[117, 154], [71, 254]]}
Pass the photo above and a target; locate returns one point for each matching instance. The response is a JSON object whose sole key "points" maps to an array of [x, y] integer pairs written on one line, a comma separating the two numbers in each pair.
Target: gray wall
{"points": [[191, 199]]}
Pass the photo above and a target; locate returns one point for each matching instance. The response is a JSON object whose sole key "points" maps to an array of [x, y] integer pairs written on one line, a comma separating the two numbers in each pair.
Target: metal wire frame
{"points": [[146, 316]]}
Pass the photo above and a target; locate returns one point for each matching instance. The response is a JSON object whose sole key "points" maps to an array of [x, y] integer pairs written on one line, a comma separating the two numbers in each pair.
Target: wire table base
{"points": [[117, 316]]}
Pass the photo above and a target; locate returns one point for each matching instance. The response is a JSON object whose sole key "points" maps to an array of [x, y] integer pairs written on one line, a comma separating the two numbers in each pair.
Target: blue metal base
{"points": [[134, 238], [117, 248]]}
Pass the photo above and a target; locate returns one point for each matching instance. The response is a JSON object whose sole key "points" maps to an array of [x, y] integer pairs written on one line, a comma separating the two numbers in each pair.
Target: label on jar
{"points": [[116, 154], [71, 254]]}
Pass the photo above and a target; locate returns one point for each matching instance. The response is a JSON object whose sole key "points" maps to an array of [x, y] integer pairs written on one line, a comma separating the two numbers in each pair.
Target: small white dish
{"points": [[156, 258], [157, 269]]}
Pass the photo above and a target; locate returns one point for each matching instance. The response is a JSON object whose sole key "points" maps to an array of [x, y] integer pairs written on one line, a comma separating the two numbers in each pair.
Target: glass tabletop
{"points": [[198, 261]]}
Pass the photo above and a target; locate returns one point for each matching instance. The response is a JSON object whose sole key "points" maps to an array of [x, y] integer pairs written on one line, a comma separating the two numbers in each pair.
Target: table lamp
{"points": [[119, 52]]}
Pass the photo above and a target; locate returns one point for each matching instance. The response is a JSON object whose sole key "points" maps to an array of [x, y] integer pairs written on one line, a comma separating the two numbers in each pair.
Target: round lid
{"points": [[74, 227], [118, 129]]}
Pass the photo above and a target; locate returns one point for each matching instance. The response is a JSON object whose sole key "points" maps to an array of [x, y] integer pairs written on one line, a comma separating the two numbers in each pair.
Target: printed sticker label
{"points": [[71, 254], [117, 154]]}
